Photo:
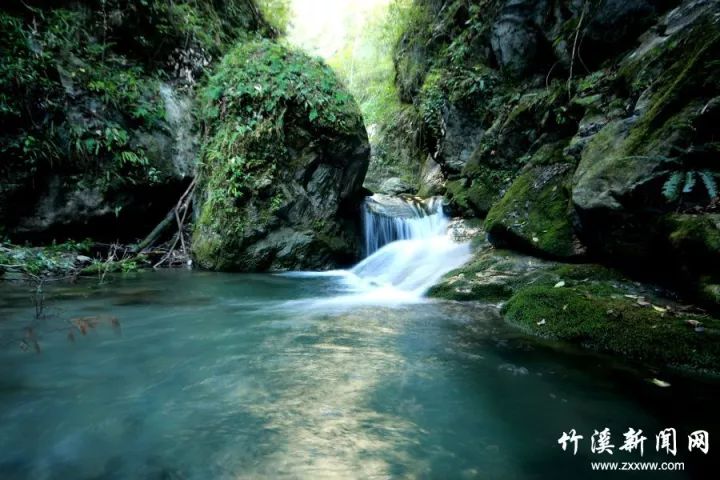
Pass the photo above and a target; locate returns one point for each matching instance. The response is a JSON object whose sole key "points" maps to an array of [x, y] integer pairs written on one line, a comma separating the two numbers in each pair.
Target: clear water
{"points": [[243, 376]]}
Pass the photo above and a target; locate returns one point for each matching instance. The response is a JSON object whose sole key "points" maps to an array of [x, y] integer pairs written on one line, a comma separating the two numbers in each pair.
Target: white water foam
{"points": [[408, 253]]}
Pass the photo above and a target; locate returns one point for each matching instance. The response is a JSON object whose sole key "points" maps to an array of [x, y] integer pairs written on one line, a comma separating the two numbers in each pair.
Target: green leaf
{"points": [[671, 188], [313, 115], [689, 182], [710, 183]]}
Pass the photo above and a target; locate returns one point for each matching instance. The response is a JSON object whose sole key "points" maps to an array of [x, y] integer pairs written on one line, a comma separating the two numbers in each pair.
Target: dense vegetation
{"points": [[263, 112], [83, 113]]}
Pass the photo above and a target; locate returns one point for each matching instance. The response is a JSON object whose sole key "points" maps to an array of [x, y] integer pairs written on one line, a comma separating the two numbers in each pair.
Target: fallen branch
{"points": [[183, 206], [157, 231]]}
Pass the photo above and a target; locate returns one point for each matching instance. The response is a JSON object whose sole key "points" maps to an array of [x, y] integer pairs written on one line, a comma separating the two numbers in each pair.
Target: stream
{"points": [[346, 374]]}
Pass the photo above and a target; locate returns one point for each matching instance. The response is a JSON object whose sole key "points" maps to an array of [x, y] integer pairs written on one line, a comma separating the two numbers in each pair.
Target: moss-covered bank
{"points": [[588, 305], [611, 322]]}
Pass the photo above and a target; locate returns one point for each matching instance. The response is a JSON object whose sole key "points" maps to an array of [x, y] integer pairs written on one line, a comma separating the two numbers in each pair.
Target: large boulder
{"points": [[283, 164]]}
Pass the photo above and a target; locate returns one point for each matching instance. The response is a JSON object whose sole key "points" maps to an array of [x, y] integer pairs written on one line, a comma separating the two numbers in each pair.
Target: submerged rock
{"points": [[284, 163]]}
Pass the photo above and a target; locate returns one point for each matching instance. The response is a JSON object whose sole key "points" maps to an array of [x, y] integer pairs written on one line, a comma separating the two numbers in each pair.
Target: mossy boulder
{"points": [[616, 324], [535, 214], [283, 164], [473, 197], [494, 275], [693, 245]]}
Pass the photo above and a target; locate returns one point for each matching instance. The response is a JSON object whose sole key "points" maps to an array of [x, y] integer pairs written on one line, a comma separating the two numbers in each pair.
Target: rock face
{"points": [[396, 154], [576, 128], [517, 41], [395, 186], [96, 130], [391, 206], [284, 164], [632, 163]]}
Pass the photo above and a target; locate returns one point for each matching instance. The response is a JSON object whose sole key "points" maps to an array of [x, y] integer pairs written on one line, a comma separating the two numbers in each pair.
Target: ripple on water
{"points": [[241, 388]]}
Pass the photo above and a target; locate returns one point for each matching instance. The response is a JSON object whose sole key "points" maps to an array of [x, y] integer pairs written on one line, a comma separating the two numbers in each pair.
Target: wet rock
{"points": [[395, 206], [432, 180], [395, 186], [465, 230]]}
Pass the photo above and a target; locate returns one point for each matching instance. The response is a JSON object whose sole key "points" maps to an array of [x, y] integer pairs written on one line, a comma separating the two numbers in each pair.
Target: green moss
{"points": [[583, 272], [486, 292], [534, 213], [696, 233], [616, 325], [550, 154], [492, 275], [677, 72], [474, 197], [263, 104]]}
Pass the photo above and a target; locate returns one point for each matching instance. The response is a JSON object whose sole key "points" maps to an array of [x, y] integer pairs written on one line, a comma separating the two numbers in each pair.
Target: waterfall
{"points": [[408, 246], [387, 219], [408, 249]]}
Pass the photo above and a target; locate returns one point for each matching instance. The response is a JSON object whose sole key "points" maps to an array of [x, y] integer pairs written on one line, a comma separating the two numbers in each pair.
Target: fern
{"points": [[671, 188], [689, 182], [710, 183]]}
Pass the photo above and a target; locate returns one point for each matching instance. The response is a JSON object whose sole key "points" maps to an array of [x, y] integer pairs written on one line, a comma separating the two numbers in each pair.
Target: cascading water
{"points": [[408, 250], [388, 219]]}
